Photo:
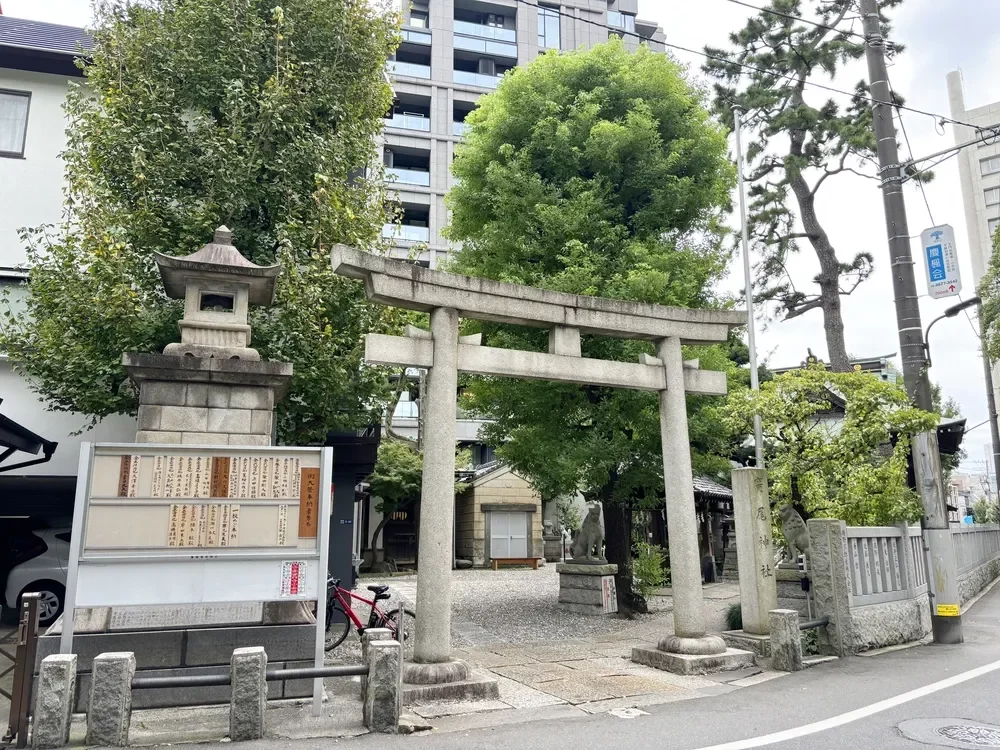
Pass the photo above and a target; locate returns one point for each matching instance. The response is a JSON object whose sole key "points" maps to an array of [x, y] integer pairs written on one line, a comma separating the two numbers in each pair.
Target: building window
{"points": [[990, 165], [418, 19], [13, 122], [992, 196], [548, 27], [994, 224], [495, 20], [621, 20]]}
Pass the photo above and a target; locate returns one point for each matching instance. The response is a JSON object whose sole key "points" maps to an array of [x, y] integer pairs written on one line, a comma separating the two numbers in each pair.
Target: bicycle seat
{"points": [[378, 589]]}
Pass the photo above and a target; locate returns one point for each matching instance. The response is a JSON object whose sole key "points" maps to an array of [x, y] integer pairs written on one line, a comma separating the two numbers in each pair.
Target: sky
{"points": [[940, 37]]}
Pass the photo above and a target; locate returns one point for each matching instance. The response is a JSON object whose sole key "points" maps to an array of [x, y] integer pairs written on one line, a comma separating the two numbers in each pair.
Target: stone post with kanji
{"points": [[758, 585]]}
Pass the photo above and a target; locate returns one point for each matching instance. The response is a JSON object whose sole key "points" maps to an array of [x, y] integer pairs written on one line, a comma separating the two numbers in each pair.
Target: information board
{"points": [[157, 525], [944, 278]]}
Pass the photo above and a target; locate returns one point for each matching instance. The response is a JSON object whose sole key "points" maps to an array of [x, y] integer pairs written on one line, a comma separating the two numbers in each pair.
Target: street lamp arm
{"points": [[927, 334]]}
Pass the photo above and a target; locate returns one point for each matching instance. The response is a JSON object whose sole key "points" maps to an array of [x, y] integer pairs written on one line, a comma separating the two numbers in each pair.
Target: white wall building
{"points": [[36, 69], [979, 172]]}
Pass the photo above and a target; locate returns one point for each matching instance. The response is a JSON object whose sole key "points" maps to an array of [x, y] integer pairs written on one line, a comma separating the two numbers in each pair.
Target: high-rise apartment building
{"points": [[979, 172], [453, 52]]}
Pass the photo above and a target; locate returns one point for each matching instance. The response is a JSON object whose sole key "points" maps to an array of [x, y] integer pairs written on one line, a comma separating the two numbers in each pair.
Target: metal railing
{"points": [[486, 46], [416, 37], [486, 32], [24, 668], [413, 70], [477, 79], [273, 675], [408, 176], [409, 122], [406, 232], [459, 128]]}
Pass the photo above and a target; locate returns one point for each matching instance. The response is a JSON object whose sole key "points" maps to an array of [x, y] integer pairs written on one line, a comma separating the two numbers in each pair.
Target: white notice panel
{"points": [[941, 257]]}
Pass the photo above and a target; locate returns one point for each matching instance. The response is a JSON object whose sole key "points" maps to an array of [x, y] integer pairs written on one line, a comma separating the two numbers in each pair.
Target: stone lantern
{"points": [[211, 388], [218, 285]]}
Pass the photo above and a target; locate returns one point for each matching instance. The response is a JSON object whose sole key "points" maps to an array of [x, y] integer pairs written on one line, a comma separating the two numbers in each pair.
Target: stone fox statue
{"points": [[796, 533], [590, 540]]}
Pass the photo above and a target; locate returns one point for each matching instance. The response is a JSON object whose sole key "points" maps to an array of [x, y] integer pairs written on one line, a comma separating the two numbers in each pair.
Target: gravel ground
{"points": [[516, 606]]}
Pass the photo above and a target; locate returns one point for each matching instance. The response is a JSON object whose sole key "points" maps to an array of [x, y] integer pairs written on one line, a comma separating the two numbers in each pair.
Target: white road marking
{"points": [[860, 713]]}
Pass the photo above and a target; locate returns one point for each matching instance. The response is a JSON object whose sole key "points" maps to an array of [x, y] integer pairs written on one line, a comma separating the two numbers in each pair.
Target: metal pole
{"points": [[942, 577], [991, 404], [758, 433]]}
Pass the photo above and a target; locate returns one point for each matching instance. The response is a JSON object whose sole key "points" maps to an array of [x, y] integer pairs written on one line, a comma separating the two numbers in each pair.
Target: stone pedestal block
{"points": [[110, 712], [384, 695], [727, 661], [249, 694], [831, 585], [758, 585], [786, 640], [369, 635], [55, 693], [587, 589], [552, 548]]}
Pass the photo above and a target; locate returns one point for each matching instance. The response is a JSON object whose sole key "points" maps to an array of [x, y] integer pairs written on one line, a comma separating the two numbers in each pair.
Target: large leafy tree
{"points": [[989, 314], [801, 138], [850, 465], [197, 113], [595, 172]]}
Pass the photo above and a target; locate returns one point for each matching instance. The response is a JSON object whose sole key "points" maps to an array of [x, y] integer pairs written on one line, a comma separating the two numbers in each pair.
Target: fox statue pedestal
{"points": [[588, 588]]}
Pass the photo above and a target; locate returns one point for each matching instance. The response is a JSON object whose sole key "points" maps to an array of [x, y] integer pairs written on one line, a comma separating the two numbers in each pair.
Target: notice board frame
{"points": [[243, 566]]}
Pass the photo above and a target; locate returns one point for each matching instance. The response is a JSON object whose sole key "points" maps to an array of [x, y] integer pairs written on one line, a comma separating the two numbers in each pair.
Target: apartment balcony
{"points": [[476, 79], [485, 46], [414, 70], [459, 128], [406, 233], [416, 36], [409, 122], [402, 176], [485, 31]]}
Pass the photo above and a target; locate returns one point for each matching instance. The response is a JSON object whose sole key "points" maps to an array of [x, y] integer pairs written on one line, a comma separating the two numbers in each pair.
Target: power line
{"points": [[745, 66]]}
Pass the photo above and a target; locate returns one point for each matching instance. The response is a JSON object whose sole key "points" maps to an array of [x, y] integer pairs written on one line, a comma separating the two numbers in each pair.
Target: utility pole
{"points": [[942, 574], [758, 434], [991, 403]]}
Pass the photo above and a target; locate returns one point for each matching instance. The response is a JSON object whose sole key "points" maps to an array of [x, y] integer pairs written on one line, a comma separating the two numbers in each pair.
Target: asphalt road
{"points": [[745, 717]]}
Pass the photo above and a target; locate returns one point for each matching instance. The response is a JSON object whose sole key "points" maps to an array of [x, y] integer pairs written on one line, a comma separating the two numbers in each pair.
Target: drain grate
{"points": [[971, 734], [965, 734]]}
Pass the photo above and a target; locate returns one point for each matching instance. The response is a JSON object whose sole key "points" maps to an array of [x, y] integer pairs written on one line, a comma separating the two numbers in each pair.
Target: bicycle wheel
{"points": [[337, 628], [409, 629]]}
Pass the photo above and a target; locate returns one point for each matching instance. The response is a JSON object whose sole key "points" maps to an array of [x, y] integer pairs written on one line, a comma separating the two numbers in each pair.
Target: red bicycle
{"points": [[340, 616]]}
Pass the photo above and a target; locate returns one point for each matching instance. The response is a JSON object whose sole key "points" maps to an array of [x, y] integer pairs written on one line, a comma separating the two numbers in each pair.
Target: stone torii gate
{"points": [[448, 297]]}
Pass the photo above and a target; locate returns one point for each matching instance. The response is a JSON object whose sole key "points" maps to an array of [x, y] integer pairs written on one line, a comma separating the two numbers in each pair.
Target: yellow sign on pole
{"points": [[948, 610]]}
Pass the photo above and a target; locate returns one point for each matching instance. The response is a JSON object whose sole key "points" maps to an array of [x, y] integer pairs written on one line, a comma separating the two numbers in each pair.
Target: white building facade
{"points": [[979, 173], [36, 70]]}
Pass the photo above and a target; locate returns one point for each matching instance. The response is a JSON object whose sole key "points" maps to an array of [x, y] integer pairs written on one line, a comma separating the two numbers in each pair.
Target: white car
{"points": [[42, 560]]}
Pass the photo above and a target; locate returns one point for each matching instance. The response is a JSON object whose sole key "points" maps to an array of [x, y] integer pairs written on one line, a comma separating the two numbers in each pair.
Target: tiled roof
{"points": [[705, 486], [43, 37]]}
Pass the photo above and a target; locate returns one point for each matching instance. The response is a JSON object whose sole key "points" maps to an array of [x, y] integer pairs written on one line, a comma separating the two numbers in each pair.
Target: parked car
{"points": [[39, 565]]}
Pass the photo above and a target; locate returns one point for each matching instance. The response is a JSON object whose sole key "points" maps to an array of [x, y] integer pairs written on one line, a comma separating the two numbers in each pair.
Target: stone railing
{"points": [[871, 581], [886, 564]]}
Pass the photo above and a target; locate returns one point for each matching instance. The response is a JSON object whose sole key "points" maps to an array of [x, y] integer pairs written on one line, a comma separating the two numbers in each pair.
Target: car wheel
{"points": [[50, 600]]}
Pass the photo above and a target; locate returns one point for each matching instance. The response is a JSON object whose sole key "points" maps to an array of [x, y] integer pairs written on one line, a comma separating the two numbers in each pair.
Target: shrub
{"points": [[648, 570], [734, 617]]}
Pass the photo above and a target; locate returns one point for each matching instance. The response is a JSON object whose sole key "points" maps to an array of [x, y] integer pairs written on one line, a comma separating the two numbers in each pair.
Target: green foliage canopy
{"points": [[197, 113], [835, 467], [600, 173]]}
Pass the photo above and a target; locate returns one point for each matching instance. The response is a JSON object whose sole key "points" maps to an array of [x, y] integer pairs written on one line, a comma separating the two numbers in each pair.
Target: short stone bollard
{"points": [[110, 711], [367, 636], [55, 694], [248, 700], [786, 640], [384, 696]]}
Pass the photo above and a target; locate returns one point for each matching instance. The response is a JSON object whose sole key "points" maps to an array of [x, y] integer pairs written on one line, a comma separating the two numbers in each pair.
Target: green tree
{"points": [[798, 143], [831, 466], [600, 173], [989, 312], [197, 113]]}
